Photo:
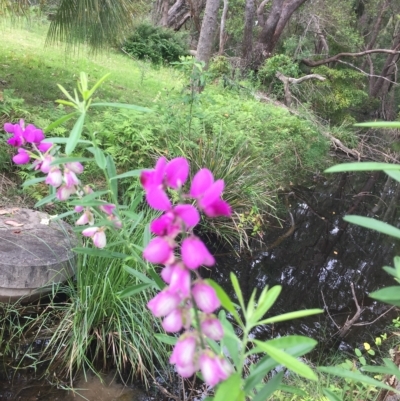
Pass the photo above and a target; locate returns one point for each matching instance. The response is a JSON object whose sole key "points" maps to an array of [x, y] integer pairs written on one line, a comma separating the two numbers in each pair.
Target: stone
{"points": [[35, 253]]}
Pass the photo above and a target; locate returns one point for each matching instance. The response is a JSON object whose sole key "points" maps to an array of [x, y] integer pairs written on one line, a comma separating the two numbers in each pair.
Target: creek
{"points": [[315, 265]]}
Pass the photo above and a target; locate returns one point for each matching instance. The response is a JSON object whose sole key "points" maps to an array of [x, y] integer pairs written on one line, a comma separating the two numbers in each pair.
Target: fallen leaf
{"points": [[8, 211], [13, 223]]}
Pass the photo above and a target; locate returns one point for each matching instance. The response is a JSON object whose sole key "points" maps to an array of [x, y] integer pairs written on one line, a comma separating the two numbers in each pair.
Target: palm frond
{"points": [[95, 22]]}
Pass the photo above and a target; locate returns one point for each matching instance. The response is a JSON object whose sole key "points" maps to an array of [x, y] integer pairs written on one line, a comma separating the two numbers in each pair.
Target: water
{"points": [[323, 256]]}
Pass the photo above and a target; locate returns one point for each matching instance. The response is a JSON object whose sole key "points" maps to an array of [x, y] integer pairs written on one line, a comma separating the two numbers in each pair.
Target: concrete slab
{"points": [[35, 253]]}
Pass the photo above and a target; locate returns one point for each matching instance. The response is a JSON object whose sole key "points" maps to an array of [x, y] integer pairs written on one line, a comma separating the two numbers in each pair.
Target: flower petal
{"points": [[158, 199], [202, 180], [177, 171]]}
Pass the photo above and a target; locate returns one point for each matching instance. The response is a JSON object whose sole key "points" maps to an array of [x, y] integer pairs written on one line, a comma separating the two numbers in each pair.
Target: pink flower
{"points": [[205, 297], [98, 236], [45, 164], [194, 253], [76, 167], [87, 217], [213, 369], [158, 199], [158, 250], [64, 192], [180, 280], [44, 146], [188, 214], [177, 171], [107, 208], [164, 303], [70, 178], [54, 177], [78, 209], [22, 157], [32, 134], [154, 178], [184, 351], [212, 328], [165, 225], [208, 194], [173, 322]]}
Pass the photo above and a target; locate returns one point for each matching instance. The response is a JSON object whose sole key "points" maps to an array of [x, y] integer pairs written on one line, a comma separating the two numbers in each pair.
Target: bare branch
{"points": [[311, 63]]}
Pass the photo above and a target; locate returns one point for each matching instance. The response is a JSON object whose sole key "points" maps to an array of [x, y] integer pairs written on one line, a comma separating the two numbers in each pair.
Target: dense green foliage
{"points": [[157, 44]]}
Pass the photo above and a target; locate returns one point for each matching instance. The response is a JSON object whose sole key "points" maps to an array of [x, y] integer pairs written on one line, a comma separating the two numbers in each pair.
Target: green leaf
{"points": [[293, 341], [164, 338], [287, 360], [265, 302], [237, 289], [65, 140], [389, 369], [389, 295], [229, 389], [292, 390], [99, 156], [65, 103], [45, 200], [269, 388], [358, 352], [160, 284], [112, 173], [373, 224], [101, 253], [230, 339], [140, 276], [97, 84], [59, 122], [146, 235], [91, 196], [363, 166], [357, 377], [225, 300], [123, 106], [63, 90], [331, 396], [396, 261], [71, 159], [250, 306], [291, 315], [75, 134], [63, 215], [33, 181], [379, 124], [133, 290], [393, 174], [132, 173]]}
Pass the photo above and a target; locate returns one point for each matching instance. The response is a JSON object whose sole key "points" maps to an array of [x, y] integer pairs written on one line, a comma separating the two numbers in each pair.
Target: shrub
{"points": [[156, 44]]}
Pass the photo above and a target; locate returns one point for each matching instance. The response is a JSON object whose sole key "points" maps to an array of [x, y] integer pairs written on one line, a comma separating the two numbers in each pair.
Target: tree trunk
{"points": [[279, 15], [247, 45], [207, 33], [222, 37], [165, 7]]}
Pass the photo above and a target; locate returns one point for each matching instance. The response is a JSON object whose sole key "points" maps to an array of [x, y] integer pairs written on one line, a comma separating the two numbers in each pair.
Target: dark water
{"points": [[324, 255]]}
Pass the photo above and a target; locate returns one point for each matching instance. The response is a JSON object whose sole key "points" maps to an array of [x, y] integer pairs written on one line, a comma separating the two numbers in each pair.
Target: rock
{"points": [[35, 253]]}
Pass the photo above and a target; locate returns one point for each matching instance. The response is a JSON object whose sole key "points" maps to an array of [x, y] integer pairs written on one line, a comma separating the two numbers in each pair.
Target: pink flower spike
{"points": [[177, 171], [15, 141], [211, 327], [158, 251], [184, 351], [194, 253], [202, 180], [166, 273], [172, 323], [22, 157], [205, 297], [164, 303], [54, 178], [76, 167], [108, 208], [188, 214], [161, 226], [70, 178], [158, 199], [33, 134]]}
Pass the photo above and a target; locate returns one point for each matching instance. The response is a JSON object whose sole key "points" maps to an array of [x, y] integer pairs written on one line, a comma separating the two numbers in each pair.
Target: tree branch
{"points": [[311, 63]]}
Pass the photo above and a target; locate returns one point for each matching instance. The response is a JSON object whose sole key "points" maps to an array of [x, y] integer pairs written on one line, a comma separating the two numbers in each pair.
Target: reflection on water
{"points": [[324, 255]]}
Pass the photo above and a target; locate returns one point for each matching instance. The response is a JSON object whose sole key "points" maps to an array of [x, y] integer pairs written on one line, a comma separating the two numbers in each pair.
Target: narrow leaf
{"points": [[160, 284], [267, 299], [357, 377], [65, 140], [146, 235], [97, 84], [139, 275], [100, 158], [393, 174], [112, 173], [237, 289], [331, 396], [63, 90], [33, 181], [287, 360], [269, 388], [133, 290], [291, 315], [75, 134], [379, 124], [229, 389], [132, 173], [101, 253], [164, 338], [388, 294], [71, 159], [45, 200], [373, 224], [58, 122], [363, 166]]}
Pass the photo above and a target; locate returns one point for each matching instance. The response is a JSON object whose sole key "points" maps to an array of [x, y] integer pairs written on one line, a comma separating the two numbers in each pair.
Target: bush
{"points": [[156, 44]]}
